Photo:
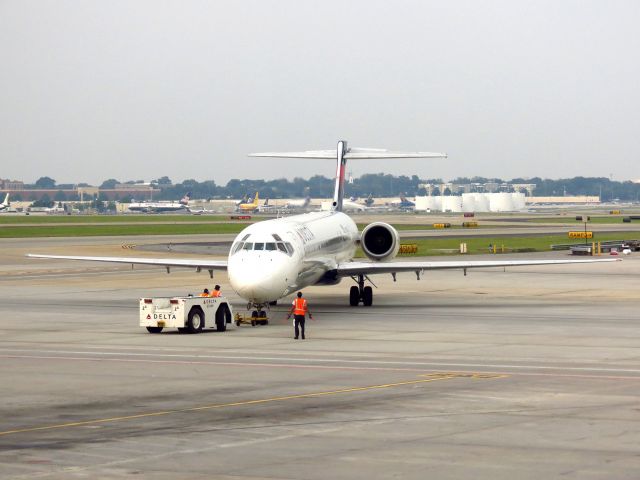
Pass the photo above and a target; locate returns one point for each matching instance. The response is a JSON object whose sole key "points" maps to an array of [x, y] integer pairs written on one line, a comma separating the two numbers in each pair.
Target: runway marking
{"points": [[433, 377], [417, 365]]}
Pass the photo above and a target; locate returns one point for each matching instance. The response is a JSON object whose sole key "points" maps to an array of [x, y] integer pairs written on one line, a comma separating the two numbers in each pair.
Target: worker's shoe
{"points": [[295, 338]]}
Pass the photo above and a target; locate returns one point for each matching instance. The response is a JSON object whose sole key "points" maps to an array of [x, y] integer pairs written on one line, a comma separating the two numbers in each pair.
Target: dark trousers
{"points": [[299, 322]]}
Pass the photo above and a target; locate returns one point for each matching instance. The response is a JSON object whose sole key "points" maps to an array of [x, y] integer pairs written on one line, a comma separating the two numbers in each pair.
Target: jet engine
{"points": [[380, 241]]}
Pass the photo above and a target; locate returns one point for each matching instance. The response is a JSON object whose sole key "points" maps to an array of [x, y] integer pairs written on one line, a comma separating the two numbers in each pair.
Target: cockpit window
{"points": [[281, 247], [236, 247], [270, 246], [259, 246], [245, 237], [247, 246], [289, 248]]}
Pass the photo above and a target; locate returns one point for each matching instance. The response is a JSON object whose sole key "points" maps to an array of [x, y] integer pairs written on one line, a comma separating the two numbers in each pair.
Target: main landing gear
{"points": [[360, 293]]}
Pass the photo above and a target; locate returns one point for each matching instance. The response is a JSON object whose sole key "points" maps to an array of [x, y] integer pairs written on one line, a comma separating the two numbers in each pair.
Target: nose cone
{"points": [[258, 278]]}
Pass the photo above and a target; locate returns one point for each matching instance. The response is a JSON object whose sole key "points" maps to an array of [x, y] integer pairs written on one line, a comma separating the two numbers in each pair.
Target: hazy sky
{"points": [[91, 90]]}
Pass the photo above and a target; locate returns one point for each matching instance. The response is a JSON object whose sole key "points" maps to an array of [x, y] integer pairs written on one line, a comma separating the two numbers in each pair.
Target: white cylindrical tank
{"points": [[482, 202], [468, 202], [436, 203], [451, 204], [423, 204], [428, 203], [501, 202], [518, 201]]}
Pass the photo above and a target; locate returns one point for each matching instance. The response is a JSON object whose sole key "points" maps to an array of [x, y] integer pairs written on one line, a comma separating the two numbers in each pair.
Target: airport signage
{"points": [[580, 234], [407, 248]]}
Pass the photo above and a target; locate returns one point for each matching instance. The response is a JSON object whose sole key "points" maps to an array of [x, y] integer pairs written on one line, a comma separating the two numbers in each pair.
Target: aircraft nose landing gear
{"points": [[258, 315], [360, 293]]}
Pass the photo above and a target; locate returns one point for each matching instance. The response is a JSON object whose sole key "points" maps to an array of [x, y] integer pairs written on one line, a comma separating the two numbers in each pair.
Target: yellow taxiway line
{"points": [[431, 377]]}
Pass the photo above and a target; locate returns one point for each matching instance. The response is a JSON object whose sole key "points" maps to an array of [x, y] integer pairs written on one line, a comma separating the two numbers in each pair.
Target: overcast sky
{"points": [[91, 90]]}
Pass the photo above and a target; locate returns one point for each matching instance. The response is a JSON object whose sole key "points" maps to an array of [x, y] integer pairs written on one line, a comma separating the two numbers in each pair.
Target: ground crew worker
{"points": [[299, 309], [205, 293], [216, 291]]}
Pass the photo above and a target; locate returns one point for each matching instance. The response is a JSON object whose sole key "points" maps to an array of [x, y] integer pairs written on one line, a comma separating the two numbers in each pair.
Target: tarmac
{"points": [[528, 373]]}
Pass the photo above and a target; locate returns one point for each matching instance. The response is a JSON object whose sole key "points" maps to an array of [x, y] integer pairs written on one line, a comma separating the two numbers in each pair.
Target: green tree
{"points": [[109, 184], [44, 201], [60, 196], [45, 182]]}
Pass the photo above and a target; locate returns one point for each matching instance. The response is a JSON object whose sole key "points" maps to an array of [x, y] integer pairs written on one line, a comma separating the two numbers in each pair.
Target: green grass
{"points": [[443, 246], [62, 219], [117, 230], [572, 220]]}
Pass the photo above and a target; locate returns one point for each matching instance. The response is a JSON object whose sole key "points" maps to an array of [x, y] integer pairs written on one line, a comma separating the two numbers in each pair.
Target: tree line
{"points": [[377, 185]]}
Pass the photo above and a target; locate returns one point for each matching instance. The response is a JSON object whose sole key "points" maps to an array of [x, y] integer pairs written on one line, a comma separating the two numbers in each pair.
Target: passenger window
{"points": [[248, 246], [270, 246], [282, 248], [259, 246]]}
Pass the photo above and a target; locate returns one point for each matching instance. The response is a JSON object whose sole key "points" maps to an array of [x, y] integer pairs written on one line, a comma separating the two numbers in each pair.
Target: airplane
{"points": [[162, 206], [404, 204], [369, 201], [299, 204], [271, 259], [250, 206], [352, 205], [56, 208], [4, 206]]}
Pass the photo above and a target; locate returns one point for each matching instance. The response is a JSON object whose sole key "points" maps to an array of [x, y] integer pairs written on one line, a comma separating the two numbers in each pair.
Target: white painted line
{"points": [[298, 360]]}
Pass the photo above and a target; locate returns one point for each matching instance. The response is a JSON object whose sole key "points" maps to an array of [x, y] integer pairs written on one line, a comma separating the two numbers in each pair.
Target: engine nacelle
{"points": [[380, 241]]}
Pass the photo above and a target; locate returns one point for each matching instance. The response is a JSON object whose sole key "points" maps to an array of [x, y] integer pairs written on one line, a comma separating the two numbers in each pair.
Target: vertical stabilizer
{"points": [[341, 167]]}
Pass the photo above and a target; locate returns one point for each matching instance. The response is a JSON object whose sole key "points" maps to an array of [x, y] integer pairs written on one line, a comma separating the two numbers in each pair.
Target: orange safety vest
{"points": [[216, 293], [204, 294], [299, 306]]}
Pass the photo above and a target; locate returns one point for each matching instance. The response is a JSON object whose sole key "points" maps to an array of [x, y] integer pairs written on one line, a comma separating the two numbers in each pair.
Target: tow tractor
{"points": [[256, 318], [187, 314]]}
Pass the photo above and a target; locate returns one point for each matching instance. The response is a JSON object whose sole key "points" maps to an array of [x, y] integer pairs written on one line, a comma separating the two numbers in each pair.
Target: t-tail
{"points": [[341, 155], [185, 200]]}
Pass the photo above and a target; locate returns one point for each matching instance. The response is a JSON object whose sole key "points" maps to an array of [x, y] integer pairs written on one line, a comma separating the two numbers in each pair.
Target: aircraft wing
{"points": [[161, 262], [369, 268]]}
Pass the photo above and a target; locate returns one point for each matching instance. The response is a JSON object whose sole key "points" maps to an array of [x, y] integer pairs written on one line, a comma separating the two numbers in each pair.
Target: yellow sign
{"points": [[580, 234], [408, 248]]}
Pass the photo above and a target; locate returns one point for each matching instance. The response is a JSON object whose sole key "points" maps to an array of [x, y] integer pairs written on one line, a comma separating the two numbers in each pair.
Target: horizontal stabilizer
{"points": [[351, 154]]}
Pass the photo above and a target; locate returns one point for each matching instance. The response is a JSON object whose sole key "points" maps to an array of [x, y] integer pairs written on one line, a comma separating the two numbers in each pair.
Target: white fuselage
{"points": [[157, 207], [271, 259]]}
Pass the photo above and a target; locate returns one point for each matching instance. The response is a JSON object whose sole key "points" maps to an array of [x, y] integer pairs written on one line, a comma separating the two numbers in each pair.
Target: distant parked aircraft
{"points": [[4, 206], [161, 207]]}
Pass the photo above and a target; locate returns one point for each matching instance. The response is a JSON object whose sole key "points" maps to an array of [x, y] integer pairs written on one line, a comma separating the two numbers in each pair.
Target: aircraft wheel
{"points": [[354, 296], [367, 296], [254, 314], [154, 329], [195, 320]]}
